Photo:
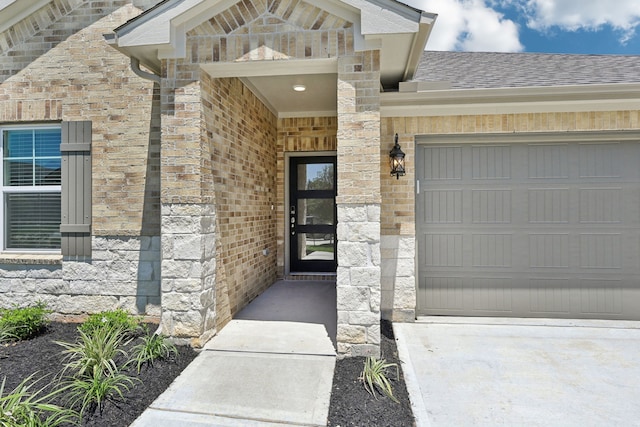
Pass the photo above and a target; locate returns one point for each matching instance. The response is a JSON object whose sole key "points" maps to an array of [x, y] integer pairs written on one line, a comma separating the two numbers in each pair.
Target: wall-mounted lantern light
{"points": [[396, 160]]}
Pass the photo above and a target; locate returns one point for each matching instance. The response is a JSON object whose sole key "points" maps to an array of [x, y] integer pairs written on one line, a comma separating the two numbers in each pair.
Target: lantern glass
{"points": [[396, 160]]}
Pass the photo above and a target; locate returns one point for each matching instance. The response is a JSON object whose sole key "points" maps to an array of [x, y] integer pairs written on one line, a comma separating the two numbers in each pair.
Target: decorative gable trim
{"points": [[397, 30]]}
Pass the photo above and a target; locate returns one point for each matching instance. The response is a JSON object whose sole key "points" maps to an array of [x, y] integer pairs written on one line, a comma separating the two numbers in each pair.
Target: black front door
{"points": [[312, 214]]}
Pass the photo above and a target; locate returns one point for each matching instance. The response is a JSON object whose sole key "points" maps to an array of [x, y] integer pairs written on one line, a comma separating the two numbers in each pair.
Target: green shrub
{"points": [[24, 322], [374, 375], [24, 408], [153, 347], [119, 319]]}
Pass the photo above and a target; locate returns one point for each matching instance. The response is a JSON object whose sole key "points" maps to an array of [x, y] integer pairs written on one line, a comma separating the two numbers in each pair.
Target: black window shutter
{"points": [[75, 227]]}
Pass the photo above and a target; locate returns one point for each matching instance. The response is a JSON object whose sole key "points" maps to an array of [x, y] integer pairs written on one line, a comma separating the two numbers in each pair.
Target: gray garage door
{"points": [[533, 229]]}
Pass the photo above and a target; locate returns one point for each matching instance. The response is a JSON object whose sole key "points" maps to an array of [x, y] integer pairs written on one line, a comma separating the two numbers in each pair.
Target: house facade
{"points": [[200, 150]]}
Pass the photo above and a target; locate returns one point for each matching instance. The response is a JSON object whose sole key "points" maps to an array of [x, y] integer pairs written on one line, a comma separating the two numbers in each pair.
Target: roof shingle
{"points": [[475, 70]]}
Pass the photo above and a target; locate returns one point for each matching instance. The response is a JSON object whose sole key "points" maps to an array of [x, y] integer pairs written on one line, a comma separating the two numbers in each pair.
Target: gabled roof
{"points": [[398, 30], [485, 70]]}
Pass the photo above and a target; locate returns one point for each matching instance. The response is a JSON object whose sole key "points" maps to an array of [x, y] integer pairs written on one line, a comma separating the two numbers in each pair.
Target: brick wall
{"points": [[54, 66], [254, 30], [241, 132], [75, 75]]}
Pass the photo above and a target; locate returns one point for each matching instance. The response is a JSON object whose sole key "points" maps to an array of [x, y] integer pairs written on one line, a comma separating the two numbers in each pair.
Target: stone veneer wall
{"points": [[55, 65], [398, 207], [122, 274], [298, 134]]}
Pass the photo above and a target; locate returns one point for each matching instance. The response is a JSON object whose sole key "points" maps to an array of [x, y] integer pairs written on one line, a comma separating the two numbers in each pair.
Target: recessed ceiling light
{"points": [[299, 88]]}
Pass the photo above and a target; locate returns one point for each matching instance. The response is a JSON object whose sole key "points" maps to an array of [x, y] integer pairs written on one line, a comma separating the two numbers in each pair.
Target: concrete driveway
{"points": [[522, 372]]}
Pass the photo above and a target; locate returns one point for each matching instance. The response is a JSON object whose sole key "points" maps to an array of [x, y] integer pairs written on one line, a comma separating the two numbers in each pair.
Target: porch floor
{"points": [[270, 366], [306, 301]]}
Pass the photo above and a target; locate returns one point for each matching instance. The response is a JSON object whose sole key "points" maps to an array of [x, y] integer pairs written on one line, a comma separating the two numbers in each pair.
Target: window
{"points": [[31, 188]]}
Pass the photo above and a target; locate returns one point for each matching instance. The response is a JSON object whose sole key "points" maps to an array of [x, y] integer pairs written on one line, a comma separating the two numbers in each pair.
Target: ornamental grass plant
{"points": [[23, 407], [153, 347], [374, 377]]}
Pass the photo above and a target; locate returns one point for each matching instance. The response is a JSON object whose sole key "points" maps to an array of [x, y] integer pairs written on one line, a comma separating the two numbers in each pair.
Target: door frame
{"points": [[285, 222]]}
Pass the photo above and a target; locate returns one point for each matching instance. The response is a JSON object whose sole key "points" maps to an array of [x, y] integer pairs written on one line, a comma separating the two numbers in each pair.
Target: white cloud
{"points": [[572, 15], [469, 25]]}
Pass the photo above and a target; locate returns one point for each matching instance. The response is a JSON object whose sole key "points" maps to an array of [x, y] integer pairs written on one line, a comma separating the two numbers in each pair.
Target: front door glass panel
{"points": [[316, 211], [312, 214], [316, 176]]}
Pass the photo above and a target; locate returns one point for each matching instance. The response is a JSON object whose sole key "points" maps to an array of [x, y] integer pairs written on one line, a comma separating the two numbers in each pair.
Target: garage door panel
{"points": [[548, 250], [441, 163], [548, 205], [551, 296], [492, 294], [533, 230], [442, 250], [491, 206], [548, 161], [598, 296], [442, 207], [600, 205], [445, 293], [600, 160], [491, 250], [491, 162], [599, 250]]}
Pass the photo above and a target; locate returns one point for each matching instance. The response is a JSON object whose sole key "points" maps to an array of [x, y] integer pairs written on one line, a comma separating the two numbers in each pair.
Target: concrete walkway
{"points": [[256, 371], [521, 372]]}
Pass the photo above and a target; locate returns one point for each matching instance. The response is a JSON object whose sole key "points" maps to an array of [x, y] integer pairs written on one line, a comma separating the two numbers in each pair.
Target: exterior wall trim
{"points": [[607, 97], [530, 137]]}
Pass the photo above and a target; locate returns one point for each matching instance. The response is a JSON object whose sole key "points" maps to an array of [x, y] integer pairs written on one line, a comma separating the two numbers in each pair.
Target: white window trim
{"points": [[13, 189]]}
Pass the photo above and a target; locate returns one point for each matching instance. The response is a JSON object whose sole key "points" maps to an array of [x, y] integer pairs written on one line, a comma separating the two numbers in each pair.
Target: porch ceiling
{"points": [[277, 93], [273, 81]]}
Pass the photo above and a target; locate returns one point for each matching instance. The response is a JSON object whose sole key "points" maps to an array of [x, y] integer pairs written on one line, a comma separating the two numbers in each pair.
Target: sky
{"points": [[551, 26]]}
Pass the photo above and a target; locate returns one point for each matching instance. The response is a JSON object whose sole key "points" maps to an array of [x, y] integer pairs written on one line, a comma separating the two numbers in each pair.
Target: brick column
{"points": [[358, 203], [188, 210]]}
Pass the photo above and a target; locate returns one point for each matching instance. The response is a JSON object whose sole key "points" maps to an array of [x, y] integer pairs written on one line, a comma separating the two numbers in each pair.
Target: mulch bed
{"points": [[42, 356], [350, 404]]}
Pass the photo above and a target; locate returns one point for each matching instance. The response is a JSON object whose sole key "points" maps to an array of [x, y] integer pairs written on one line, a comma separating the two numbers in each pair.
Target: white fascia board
{"points": [[508, 108], [13, 11], [153, 27], [606, 97], [386, 17], [270, 68], [427, 20]]}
